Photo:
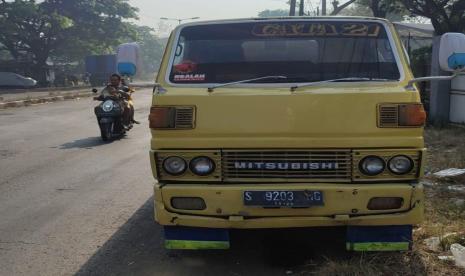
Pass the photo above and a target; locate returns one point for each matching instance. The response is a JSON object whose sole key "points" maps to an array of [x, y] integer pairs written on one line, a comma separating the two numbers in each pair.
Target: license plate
{"points": [[283, 198]]}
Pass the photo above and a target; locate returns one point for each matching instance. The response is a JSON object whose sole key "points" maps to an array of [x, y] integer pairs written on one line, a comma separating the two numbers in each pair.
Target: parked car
{"points": [[10, 79]]}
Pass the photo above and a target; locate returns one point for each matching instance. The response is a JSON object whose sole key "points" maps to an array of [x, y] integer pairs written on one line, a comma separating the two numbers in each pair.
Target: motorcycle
{"points": [[110, 114]]}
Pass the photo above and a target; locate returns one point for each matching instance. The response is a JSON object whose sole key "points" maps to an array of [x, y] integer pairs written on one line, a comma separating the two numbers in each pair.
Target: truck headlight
{"points": [[202, 165], [174, 165], [372, 165], [400, 164], [107, 106]]}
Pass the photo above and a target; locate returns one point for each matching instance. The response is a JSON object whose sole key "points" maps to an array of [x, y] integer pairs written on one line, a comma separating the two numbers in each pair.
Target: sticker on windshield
{"points": [[189, 77], [187, 66], [316, 29]]}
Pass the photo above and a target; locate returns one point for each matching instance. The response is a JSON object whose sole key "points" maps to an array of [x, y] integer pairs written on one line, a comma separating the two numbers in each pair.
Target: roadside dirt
{"points": [[446, 149]]}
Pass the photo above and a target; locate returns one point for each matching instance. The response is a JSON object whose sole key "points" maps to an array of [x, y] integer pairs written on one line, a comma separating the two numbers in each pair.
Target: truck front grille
{"points": [[287, 166]]}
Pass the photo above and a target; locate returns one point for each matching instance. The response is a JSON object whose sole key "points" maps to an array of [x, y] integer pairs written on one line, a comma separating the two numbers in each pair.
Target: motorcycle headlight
{"points": [[372, 165], [174, 165], [202, 166], [400, 164], [107, 106]]}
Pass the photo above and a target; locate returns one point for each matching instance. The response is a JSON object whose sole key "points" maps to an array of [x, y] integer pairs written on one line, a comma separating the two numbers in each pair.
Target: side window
{"points": [[180, 50], [405, 53], [385, 51], [404, 49]]}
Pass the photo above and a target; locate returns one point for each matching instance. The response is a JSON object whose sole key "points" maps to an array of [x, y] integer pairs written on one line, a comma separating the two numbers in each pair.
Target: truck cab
{"points": [[288, 122]]}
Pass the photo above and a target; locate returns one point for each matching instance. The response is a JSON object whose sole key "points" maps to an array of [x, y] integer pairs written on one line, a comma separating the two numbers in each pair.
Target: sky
{"points": [[150, 11]]}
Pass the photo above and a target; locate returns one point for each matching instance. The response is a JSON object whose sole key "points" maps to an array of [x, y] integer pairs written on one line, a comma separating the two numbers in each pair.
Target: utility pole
{"points": [[292, 10], [301, 8], [180, 20], [323, 7]]}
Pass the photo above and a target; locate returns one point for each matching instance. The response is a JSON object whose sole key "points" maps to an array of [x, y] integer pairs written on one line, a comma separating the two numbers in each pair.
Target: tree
{"points": [[5, 55], [37, 30], [389, 9], [273, 13], [151, 50], [338, 8], [357, 9], [445, 15]]}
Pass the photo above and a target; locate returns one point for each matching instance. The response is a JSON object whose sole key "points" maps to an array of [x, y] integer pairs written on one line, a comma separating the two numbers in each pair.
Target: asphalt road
{"points": [[71, 204]]}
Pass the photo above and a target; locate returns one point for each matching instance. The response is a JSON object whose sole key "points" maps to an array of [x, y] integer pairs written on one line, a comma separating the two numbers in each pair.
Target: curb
{"points": [[51, 89], [14, 104], [52, 98]]}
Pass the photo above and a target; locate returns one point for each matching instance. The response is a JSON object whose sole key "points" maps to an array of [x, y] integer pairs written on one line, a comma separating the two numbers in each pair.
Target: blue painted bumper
{"points": [[379, 238]]}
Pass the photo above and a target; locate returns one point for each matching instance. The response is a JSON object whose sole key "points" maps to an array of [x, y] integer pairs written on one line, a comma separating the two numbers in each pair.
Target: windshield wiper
{"points": [[294, 88], [212, 88]]}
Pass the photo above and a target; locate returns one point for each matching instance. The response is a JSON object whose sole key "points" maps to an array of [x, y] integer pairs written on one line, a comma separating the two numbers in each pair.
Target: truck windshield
{"points": [[303, 51]]}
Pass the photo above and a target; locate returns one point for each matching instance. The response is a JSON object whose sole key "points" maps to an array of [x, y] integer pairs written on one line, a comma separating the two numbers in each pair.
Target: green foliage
{"points": [[420, 59], [421, 54], [5, 55], [357, 9], [151, 50], [273, 13], [392, 10], [36, 30], [385, 8], [445, 15]]}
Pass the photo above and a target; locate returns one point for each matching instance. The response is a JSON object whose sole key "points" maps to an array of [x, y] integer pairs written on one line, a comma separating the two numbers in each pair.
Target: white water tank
{"points": [[128, 59]]}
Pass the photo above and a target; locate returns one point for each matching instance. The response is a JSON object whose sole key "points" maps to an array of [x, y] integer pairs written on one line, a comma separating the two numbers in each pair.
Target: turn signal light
{"points": [[385, 203], [162, 117], [412, 115]]}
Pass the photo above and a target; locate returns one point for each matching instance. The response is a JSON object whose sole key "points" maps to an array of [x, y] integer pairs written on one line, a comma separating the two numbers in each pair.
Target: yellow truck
{"points": [[285, 123]]}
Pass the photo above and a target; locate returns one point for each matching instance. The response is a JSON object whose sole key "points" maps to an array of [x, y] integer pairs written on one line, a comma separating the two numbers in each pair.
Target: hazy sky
{"points": [[151, 10]]}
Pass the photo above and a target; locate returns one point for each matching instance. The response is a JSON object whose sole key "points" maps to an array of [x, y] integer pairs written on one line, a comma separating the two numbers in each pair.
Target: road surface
{"points": [[71, 204]]}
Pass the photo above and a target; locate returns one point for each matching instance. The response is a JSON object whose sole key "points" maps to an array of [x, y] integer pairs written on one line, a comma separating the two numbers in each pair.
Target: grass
{"points": [[446, 149]]}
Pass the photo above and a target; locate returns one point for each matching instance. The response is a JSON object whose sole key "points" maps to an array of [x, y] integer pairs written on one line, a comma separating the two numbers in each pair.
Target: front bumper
{"points": [[345, 204]]}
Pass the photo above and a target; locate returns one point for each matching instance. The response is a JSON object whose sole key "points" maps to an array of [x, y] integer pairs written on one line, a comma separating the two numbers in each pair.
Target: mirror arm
{"points": [[158, 89], [435, 78]]}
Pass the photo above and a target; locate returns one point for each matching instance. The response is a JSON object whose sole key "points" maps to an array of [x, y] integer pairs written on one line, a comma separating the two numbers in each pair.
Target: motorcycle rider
{"points": [[117, 86]]}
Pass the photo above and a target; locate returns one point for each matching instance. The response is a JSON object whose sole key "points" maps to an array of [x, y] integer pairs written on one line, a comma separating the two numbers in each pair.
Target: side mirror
{"points": [[452, 52], [94, 90], [451, 58]]}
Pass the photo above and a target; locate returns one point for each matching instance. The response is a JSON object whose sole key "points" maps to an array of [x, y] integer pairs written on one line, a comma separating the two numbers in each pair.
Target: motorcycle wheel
{"points": [[105, 131]]}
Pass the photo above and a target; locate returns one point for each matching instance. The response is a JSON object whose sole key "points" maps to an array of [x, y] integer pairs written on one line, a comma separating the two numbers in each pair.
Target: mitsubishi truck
{"points": [[287, 123]]}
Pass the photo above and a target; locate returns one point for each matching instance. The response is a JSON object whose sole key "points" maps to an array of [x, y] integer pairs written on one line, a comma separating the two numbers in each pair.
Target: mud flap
{"points": [[191, 238], [379, 238]]}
